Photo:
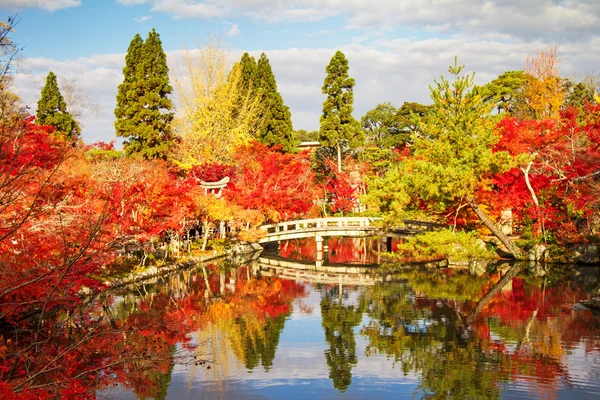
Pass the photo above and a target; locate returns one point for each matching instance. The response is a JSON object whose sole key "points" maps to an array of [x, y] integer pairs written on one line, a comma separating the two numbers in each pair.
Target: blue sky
{"points": [[395, 47]]}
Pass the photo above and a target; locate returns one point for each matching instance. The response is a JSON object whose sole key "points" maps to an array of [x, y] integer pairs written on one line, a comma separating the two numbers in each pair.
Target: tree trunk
{"points": [[339, 154], [205, 235], [540, 215], [528, 183], [512, 248]]}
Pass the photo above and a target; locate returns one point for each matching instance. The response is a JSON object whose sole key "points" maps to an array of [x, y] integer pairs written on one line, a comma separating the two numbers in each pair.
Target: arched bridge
{"points": [[336, 226], [340, 226]]}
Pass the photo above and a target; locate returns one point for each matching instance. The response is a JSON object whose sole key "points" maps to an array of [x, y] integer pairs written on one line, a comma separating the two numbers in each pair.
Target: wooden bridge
{"points": [[340, 226]]}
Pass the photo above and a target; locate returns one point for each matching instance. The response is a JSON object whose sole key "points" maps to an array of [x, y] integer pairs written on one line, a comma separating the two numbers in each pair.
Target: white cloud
{"points": [[145, 18], [132, 2], [233, 31], [50, 5], [397, 70], [319, 33], [532, 19]]}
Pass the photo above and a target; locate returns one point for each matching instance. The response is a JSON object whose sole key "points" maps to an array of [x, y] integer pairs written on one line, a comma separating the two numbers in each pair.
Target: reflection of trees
{"points": [[339, 321], [133, 337], [449, 342], [261, 348], [428, 336], [247, 323]]}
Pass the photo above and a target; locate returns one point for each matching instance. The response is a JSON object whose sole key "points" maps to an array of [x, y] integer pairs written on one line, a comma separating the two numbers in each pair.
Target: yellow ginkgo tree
{"points": [[216, 113]]}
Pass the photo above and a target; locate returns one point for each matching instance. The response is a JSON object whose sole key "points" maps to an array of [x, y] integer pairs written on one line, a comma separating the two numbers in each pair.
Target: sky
{"points": [[395, 48]]}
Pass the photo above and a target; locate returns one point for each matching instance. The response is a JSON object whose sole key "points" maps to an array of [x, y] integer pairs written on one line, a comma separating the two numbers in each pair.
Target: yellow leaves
{"points": [[216, 114], [543, 93]]}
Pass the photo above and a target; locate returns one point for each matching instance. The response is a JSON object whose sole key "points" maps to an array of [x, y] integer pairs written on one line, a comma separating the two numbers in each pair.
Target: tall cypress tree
{"points": [[337, 122], [126, 95], [248, 64], [246, 84], [277, 119], [52, 110], [143, 107]]}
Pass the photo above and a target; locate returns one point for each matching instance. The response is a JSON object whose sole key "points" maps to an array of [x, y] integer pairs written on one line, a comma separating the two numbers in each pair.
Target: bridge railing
{"points": [[321, 223]]}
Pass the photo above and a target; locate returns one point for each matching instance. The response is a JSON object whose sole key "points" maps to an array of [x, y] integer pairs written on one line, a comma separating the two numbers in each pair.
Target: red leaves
{"points": [[212, 172], [561, 159], [280, 185]]}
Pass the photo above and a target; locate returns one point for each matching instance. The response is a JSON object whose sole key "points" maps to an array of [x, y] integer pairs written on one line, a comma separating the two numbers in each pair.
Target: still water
{"points": [[273, 328]]}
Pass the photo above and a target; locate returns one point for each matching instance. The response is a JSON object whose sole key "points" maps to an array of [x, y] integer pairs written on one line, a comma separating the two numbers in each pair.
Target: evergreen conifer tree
{"points": [[248, 64], [337, 123], [126, 96], [143, 107], [246, 86], [52, 110], [276, 119]]}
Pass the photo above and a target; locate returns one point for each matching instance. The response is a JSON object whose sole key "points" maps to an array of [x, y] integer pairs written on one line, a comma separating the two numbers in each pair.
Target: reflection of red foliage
{"points": [[353, 250], [340, 250], [132, 344]]}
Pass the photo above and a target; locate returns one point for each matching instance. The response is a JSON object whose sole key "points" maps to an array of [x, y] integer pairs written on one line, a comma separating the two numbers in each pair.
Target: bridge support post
{"points": [[320, 255], [319, 240]]}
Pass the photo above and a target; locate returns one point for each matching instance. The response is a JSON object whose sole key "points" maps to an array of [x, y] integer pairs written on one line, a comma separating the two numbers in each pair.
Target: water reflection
{"points": [[339, 321], [227, 331]]}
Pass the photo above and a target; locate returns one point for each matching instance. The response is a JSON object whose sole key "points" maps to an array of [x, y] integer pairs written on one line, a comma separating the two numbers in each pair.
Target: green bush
{"points": [[457, 246]]}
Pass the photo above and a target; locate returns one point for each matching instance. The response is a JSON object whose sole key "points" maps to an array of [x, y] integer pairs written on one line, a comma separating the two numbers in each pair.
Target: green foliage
{"points": [[408, 113], [579, 95], [301, 135], [452, 153], [276, 126], [380, 159], [248, 72], [456, 246], [52, 110], [380, 123], [100, 154], [505, 91], [337, 122], [388, 196], [143, 109], [388, 127]]}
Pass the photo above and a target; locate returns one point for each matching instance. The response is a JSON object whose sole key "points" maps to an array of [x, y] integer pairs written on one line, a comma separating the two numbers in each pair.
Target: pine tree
{"points": [[143, 107], [276, 119], [337, 123], [52, 110]]}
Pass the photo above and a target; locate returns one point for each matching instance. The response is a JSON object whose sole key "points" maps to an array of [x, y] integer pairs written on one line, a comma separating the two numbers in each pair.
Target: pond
{"points": [[264, 329]]}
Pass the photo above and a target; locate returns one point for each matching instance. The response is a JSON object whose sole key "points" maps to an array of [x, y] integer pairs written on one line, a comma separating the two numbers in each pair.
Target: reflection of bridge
{"points": [[317, 272]]}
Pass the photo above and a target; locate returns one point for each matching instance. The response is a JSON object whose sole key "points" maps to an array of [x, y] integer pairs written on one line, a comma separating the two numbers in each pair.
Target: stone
{"points": [[586, 253], [537, 252]]}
